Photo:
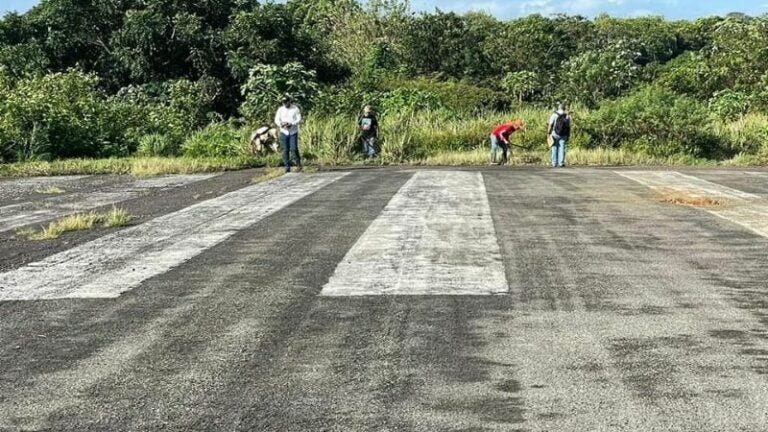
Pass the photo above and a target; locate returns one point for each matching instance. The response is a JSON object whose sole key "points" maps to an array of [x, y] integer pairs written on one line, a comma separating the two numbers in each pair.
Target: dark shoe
{"points": [[299, 168]]}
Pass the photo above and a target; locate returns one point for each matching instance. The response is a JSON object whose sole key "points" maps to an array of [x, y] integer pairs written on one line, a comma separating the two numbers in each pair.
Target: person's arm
{"points": [[375, 126], [297, 118], [277, 118], [505, 135]]}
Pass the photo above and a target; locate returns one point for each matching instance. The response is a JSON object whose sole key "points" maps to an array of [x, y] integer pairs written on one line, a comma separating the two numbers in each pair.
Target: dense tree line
{"points": [[101, 77]]}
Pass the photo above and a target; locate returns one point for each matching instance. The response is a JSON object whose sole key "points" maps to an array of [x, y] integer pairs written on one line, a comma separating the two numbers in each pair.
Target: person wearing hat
{"points": [[369, 131], [288, 118], [500, 138]]}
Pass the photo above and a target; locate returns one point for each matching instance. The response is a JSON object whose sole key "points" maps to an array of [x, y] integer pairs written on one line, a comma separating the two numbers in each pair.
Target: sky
{"points": [[673, 9]]}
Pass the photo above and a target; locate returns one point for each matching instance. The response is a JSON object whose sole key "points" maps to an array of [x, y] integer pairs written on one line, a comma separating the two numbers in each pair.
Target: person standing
{"points": [[368, 125], [500, 138], [558, 133], [288, 118]]}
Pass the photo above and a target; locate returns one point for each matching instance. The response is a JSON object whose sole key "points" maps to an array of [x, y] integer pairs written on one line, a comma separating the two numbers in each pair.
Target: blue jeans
{"points": [[369, 146], [290, 143], [495, 144], [558, 151]]}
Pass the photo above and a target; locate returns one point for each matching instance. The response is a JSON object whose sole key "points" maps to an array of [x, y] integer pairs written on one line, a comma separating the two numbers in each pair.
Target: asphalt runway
{"points": [[515, 299]]}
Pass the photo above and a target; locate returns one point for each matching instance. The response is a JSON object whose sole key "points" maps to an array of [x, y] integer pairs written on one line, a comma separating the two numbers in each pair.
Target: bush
{"points": [[455, 96], [409, 100], [157, 145], [729, 104], [175, 109], [747, 135], [217, 140], [655, 121], [61, 115]]}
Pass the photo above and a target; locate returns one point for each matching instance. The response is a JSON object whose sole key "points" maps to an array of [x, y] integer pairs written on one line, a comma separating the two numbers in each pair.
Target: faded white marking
{"points": [[28, 213], [435, 237], [745, 209], [12, 187], [114, 264]]}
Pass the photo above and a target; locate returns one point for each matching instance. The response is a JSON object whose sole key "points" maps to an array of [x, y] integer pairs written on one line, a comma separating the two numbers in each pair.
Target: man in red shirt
{"points": [[500, 138]]}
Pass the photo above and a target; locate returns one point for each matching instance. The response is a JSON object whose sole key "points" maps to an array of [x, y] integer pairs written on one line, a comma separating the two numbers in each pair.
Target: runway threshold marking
{"points": [[435, 237], [745, 209], [28, 213], [116, 263]]}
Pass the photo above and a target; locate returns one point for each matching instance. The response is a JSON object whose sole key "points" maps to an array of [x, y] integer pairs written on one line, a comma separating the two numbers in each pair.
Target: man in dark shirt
{"points": [[369, 131]]}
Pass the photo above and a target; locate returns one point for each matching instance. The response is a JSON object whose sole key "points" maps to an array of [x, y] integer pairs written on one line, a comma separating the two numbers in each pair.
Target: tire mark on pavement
{"points": [[633, 349]]}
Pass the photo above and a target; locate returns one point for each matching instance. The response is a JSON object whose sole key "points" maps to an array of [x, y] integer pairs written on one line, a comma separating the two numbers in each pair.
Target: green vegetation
{"points": [[140, 167], [160, 86], [51, 190], [268, 174], [116, 217]]}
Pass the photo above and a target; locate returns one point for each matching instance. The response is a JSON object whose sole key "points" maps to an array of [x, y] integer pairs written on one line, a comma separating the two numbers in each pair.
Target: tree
{"points": [[521, 85], [267, 83], [596, 75]]}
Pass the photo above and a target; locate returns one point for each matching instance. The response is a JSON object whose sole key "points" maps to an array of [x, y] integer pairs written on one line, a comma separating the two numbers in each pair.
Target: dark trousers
{"points": [[504, 152], [290, 143]]}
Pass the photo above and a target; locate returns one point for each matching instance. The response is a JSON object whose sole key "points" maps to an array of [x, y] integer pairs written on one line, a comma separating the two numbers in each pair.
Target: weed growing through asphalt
{"points": [[53, 190], [116, 217]]}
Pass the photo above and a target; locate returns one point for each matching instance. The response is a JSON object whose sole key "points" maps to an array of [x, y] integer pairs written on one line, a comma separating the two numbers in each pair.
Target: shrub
{"points": [[729, 104], [406, 100], [217, 140], [747, 135], [175, 109], [655, 121], [157, 145], [453, 95], [59, 116]]}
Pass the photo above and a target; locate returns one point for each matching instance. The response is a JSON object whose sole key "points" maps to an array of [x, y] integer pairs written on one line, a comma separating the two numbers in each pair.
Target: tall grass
{"points": [[438, 137], [138, 166]]}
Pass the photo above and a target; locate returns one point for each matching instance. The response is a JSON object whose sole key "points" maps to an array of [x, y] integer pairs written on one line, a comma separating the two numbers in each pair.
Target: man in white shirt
{"points": [[288, 118]]}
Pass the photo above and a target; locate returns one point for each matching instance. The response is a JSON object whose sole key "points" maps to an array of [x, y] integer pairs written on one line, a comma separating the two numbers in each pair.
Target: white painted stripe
{"points": [[28, 213], [10, 187], [435, 237], [114, 264], [745, 209]]}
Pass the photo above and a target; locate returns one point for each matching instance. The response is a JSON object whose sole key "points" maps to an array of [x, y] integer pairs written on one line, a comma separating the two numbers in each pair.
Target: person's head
{"points": [[286, 100], [518, 124], [367, 110]]}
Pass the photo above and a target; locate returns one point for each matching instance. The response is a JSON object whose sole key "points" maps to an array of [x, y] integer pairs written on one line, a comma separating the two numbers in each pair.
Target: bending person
{"points": [[500, 138]]}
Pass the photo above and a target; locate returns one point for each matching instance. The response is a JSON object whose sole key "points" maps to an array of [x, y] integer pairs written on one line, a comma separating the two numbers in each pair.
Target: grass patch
{"points": [[138, 166], [53, 190], [267, 175], [575, 157], [116, 217]]}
